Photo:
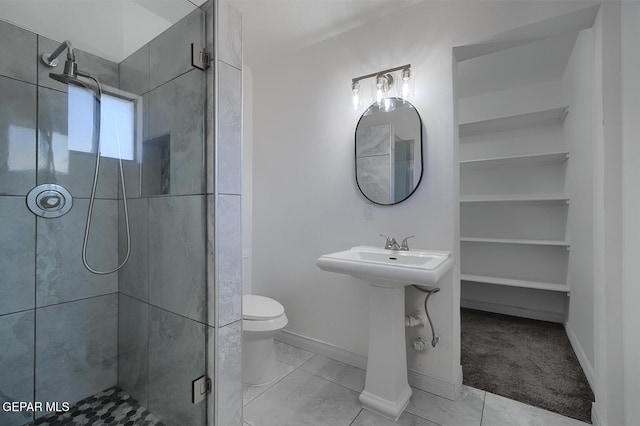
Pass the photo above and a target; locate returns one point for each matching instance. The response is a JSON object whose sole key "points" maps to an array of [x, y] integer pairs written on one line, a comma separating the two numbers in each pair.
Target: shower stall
{"points": [[159, 340]]}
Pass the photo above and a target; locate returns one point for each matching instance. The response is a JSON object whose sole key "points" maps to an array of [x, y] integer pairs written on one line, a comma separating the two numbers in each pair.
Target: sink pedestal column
{"points": [[386, 390]]}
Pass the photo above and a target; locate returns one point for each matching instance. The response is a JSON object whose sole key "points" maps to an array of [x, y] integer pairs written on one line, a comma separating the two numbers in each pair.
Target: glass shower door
{"points": [[162, 299], [126, 346]]}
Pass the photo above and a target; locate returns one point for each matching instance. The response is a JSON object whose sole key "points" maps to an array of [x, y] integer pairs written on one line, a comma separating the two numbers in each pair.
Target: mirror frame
{"points": [[421, 154]]}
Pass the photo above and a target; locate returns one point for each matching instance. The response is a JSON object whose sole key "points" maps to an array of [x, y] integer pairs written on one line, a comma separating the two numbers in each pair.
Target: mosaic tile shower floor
{"points": [[113, 407]]}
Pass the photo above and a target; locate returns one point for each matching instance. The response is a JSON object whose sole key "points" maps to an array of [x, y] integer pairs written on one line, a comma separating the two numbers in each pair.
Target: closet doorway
{"points": [[525, 113]]}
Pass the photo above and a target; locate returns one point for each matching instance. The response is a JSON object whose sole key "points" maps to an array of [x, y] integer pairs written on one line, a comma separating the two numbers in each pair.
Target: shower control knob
{"points": [[50, 201]]}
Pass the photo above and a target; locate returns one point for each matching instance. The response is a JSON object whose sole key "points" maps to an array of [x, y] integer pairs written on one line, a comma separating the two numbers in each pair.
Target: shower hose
{"points": [[87, 229]]}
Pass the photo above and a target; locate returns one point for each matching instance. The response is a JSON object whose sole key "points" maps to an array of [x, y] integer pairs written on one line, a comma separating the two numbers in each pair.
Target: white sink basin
{"points": [[389, 268]]}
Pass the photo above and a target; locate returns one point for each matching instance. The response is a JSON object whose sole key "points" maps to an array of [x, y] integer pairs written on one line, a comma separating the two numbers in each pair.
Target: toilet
{"points": [[262, 317]]}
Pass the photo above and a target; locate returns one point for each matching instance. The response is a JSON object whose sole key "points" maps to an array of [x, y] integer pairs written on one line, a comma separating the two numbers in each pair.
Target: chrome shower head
{"points": [[71, 80], [70, 74]]}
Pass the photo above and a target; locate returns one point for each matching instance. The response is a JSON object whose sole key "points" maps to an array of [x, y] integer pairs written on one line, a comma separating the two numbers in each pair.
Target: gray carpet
{"points": [[526, 360]]}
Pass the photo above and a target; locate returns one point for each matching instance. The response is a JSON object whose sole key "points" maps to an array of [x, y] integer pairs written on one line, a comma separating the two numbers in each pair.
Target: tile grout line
{"points": [[344, 387], [329, 380], [347, 388], [35, 238], [357, 415], [273, 384], [351, 423], [306, 361], [320, 377]]}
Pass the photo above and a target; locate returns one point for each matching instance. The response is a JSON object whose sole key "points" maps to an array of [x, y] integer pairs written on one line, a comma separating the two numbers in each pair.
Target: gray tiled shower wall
{"points": [[163, 288], [67, 333], [185, 219], [226, 181], [58, 322]]}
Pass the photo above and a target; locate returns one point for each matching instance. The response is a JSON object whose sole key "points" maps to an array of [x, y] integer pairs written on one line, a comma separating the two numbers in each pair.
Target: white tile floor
{"points": [[314, 390]]}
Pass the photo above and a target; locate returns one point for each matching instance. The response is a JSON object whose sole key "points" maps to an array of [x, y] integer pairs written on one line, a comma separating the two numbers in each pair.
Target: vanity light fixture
{"points": [[384, 85]]}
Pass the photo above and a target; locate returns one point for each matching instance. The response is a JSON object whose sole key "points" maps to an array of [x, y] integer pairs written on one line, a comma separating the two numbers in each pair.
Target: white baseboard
{"points": [[322, 348], [435, 385], [513, 310], [596, 419], [416, 379], [582, 356]]}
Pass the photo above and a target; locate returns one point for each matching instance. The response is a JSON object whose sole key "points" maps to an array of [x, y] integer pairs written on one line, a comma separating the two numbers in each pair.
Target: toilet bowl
{"points": [[262, 317]]}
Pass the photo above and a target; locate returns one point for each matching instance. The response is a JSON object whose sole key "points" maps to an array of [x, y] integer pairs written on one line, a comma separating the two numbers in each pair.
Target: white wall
{"points": [[577, 86], [631, 200], [511, 101], [608, 297], [306, 202], [247, 179]]}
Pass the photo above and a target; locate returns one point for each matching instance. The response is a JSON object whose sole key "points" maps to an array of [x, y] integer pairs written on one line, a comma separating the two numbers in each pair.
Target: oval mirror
{"points": [[389, 151]]}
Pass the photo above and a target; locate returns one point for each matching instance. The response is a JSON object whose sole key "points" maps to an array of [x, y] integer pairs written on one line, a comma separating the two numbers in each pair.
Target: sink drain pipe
{"points": [[434, 337]]}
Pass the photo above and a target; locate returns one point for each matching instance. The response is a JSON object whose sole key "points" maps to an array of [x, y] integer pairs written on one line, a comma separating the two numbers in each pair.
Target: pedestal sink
{"points": [[387, 390]]}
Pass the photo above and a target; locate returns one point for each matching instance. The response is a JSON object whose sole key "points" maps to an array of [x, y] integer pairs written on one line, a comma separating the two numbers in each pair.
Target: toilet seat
{"points": [[260, 308]]}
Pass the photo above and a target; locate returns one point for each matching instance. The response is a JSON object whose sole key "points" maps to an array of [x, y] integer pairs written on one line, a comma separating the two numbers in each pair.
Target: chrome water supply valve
{"points": [[434, 337], [419, 344], [415, 320]]}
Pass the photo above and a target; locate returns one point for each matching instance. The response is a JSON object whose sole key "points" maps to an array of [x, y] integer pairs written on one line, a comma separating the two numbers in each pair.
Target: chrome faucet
{"points": [[392, 244], [405, 245]]}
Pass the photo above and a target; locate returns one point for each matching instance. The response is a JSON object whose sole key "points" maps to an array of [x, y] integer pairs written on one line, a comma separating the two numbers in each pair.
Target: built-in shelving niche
{"points": [[513, 212], [518, 160], [525, 151], [537, 285], [508, 122], [514, 208], [527, 165]]}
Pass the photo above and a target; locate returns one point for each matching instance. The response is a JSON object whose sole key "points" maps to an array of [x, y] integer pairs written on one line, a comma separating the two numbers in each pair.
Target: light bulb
{"points": [[389, 104], [381, 86], [406, 75], [379, 96], [355, 89]]}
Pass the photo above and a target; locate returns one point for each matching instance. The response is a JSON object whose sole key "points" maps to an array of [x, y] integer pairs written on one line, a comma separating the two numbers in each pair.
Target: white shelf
{"points": [[516, 283], [516, 241], [512, 122], [519, 160], [515, 198]]}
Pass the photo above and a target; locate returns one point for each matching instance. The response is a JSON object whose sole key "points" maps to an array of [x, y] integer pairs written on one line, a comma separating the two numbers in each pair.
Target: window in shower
{"points": [[117, 124]]}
